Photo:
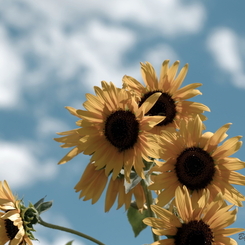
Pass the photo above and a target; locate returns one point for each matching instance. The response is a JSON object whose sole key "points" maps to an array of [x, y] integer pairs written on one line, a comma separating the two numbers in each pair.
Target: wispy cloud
{"points": [[225, 46], [59, 240], [51, 43], [48, 236], [19, 165], [11, 66], [48, 126], [160, 52]]}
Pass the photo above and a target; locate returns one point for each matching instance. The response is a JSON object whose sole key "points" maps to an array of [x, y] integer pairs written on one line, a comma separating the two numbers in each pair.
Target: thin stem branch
{"points": [[149, 202], [61, 228]]}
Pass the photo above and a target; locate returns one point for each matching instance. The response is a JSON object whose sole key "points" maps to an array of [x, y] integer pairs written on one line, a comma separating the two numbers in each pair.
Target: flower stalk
{"points": [[61, 228], [149, 202]]}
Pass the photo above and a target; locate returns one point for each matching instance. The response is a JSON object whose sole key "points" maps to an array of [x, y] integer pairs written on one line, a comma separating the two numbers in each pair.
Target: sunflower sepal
{"points": [[149, 164], [134, 180], [42, 206], [30, 217]]}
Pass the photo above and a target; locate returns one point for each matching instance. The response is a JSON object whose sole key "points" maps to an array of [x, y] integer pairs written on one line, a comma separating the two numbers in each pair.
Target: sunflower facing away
{"points": [[11, 223], [114, 130], [172, 103], [197, 161], [93, 183], [197, 221]]}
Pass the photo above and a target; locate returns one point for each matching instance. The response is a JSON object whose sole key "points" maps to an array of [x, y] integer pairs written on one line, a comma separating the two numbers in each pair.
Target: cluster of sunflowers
{"points": [[148, 148]]}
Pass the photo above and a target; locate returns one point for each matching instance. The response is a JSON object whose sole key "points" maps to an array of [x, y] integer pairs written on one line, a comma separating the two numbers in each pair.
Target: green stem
{"points": [[149, 202], [61, 228]]}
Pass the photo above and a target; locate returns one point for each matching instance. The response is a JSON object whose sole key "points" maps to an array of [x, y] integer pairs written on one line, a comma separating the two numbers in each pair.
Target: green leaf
{"points": [[135, 218], [69, 243], [36, 205], [44, 206]]}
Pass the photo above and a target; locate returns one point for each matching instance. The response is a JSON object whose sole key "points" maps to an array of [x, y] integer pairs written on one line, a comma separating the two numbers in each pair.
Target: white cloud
{"points": [[20, 167], [48, 126], [59, 240], [10, 70], [224, 45], [100, 49], [169, 17], [160, 53], [60, 40], [48, 236], [55, 240]]}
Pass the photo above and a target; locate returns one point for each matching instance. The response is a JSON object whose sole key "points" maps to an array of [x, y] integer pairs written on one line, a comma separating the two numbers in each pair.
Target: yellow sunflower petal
{"points": [[111, 194], [166, 216], [230, 163], [72, 153], [187, 92], [217, 137], [229, 147], [173, 71], [229, 231], [149, 102], [149, 75], [180, 78]]}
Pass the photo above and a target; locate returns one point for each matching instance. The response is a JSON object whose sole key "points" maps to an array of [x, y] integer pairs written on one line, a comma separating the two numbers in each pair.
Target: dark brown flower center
{"points": [[165, 106], [122, 129], [11, 229], [195, 168], [194, 233]]}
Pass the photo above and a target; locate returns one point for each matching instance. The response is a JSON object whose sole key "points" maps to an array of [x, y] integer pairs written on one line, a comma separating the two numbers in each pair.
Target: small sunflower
{"points": [[172, 103], [197, 221], [93, 182], [114, 130], [12, 227], [197, 161]]}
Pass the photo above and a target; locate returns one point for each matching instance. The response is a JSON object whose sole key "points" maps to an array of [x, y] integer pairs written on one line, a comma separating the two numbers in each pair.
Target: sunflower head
{"points": [[17, 220], [13, 227], [197, 220], [172, 103], [114, 131], [199, 161]]}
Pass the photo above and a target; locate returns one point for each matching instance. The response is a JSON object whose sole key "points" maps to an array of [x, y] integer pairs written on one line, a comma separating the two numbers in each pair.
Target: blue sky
{"points": [[52, 52]]}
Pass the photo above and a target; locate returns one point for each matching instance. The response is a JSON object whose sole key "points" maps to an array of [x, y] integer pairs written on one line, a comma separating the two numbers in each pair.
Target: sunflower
{"points": [[116, 189], [197, 221], [114, 130], [93, 182], [11, 223], [197, 161], [172, 103]]}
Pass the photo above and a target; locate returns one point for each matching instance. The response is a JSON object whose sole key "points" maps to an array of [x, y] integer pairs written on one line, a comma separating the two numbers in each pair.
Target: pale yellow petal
{"points": [[217, 137], [180, 78], [149, 102], [229, 147]]}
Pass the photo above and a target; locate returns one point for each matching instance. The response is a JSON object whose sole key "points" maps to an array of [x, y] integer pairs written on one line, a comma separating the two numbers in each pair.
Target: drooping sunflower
{"points": [[93, 182], [11, 223], [116, 189], [114, 130], [172, 103], [197, 161], [197, 221]]}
